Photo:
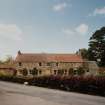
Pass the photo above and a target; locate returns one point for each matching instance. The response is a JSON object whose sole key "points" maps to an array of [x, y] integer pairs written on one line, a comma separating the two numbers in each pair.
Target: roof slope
{"points": [[27, 57]]}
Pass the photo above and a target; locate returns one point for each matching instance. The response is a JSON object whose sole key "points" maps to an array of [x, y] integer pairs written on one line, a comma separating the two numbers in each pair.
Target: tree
{"points": [[80, 71], [34, 72], [96, 48], [83, 52], [8, 59], [71, 71], [25, 72]]}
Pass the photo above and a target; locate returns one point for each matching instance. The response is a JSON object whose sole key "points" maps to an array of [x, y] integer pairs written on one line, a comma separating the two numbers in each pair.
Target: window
{"points": [[55, 72], [75, 72], [25, 72], [30, 71], [71, 71], [65, 71], [88, 70], [34, 71], [20, 64], [40, 72], [60, 72], [21, 71], [40, 64], [48, 64], [56, 64]]}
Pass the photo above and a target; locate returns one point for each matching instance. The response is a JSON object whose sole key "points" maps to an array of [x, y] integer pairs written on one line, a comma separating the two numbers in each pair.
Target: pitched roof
{"points": [[101, 69], [42, 57], [7, 66]]}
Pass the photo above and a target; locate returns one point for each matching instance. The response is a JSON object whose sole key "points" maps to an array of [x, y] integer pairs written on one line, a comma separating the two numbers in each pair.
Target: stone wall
{"points": [[48, 68]]}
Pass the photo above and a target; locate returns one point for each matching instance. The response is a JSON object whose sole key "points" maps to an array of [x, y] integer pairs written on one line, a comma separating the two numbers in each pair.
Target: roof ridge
{"points": [[48, 57], [48, 54]]}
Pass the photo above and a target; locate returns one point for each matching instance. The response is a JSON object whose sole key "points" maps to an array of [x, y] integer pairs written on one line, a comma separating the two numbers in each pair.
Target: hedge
{"points": [[90, 84]]}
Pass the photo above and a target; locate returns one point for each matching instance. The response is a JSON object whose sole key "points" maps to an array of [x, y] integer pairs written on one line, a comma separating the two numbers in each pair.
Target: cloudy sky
{"points": [[53, 26]]}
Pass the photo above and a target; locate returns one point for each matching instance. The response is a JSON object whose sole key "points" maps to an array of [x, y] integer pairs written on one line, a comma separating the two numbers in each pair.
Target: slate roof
{"points": [[45, 57]]}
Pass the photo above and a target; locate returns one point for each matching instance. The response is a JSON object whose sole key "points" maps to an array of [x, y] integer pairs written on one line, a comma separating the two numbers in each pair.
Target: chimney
{"points": [[19, 52]]}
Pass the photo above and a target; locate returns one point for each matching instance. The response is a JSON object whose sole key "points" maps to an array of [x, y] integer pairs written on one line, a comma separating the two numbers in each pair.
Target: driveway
{"points": [[17, 94]]}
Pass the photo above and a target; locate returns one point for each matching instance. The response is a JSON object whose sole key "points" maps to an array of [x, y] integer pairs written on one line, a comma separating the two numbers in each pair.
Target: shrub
{"points": [[25, 72], [88, 84]]}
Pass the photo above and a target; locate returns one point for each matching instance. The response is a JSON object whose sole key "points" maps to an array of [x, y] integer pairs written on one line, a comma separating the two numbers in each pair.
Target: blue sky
{"points": [[49, 26]]}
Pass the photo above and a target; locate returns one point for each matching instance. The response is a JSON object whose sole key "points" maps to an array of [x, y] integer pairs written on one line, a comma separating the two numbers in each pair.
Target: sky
{"points": [[48, 26]]}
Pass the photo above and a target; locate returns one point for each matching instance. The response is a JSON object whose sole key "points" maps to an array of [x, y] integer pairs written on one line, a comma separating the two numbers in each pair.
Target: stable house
{"points": [[7, 69], [44, 64]]}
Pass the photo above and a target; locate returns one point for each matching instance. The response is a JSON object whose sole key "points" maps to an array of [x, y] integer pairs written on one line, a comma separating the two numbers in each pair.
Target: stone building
{"points": [[7, 69], [43, 64]]}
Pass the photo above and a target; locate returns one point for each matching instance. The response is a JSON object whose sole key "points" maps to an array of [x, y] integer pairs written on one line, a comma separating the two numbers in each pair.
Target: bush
{"points": [[89, 84]]}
